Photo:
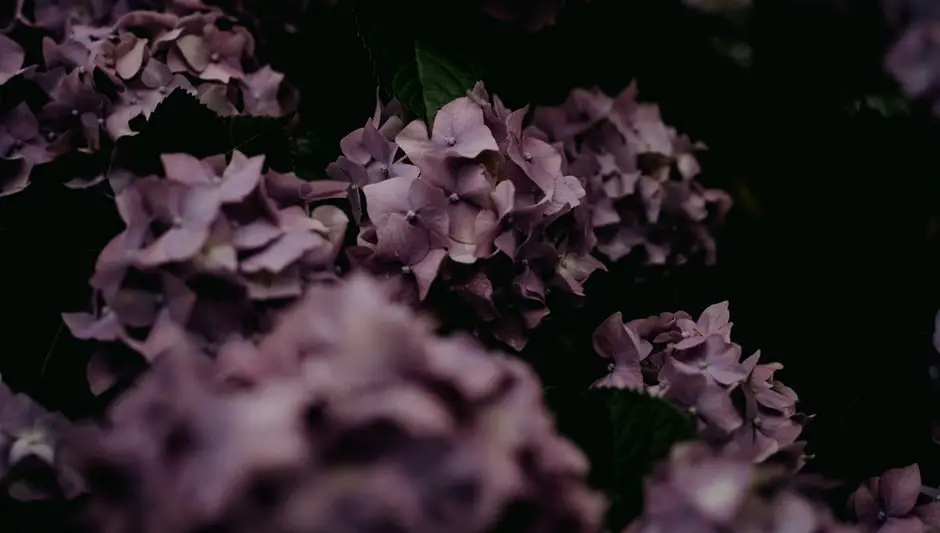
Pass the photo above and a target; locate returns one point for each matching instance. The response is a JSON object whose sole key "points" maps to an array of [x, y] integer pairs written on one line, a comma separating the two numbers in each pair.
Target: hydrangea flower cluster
{"points": [[893, 502], [34, 463], [739, 405], [358, 419], [640, 177], [213, 247], [699, 489], [471, 206], [106, 63], [502, 215]]}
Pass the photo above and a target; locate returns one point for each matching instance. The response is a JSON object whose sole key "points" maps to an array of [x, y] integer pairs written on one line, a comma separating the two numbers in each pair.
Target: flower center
{"points": [[527, 156], [453, 198], [214, 57], [411, 215], [405, 269], [450, 141]]}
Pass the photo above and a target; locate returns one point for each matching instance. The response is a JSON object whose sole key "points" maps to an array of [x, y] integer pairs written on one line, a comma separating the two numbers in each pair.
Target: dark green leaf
{"points": [[423, 69], [433, 79], [179, 124], [623, 433], [183, 124]]}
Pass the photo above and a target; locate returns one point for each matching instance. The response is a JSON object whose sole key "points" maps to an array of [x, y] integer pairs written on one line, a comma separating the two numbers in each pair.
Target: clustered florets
{"points": [[357, 419], [694, 364], [213, 248], [699, 489], [640, 177], [34, 464], [893, 502], [471, 206], [498, 213], [106, 63]]}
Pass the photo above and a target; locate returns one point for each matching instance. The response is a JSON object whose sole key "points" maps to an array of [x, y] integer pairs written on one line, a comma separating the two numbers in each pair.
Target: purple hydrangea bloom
{"points": [[697, 489], [475, 205], [249, 234], [889, 503], [106, 63], [336, 419], [31, 448], [739, 405], [640, 174]]}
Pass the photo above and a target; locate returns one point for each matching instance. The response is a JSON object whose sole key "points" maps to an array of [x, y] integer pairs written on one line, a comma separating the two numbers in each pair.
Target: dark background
{"points": [[825, 259]]}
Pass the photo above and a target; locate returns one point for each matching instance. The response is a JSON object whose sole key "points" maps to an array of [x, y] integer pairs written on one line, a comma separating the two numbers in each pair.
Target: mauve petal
{"points": [[136, 308], [286, 250], [716, 407], [164, 335], [100, 373], [130, 60], [325, 190], [352, 148], [194, 50], [21, 123], [689, 342], [899, 490], [11, 58], [378, 147], [401, 240], [622, 377], [716, 489], [929, 514], [218, 98], [348, 171], [540, 162], [285, 284], [255, 234], [177, 244], [386, 198], [425, 271], [404, 170], [155, 75], [610, 337], [413, 139], [241, 177], [88, 327], [463, 121], [423, 194], [186, 169], [909, 524]]}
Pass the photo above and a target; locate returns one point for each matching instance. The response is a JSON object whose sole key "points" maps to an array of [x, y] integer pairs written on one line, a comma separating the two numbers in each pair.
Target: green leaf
{"points": [[181, 123], [432, 80], [628, 434]]}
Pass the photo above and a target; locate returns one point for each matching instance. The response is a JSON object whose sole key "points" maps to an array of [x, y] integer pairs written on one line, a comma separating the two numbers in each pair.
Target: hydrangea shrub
{"points": [[266, 342]]}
